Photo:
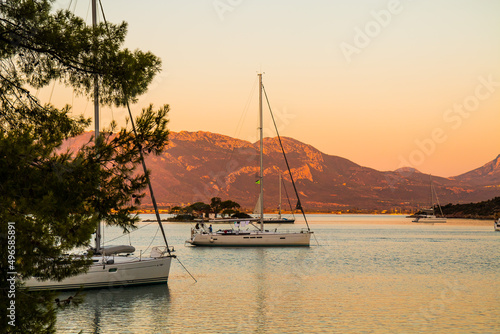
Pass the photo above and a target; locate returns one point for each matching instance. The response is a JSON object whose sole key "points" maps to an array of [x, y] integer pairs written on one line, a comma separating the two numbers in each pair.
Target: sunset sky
{"points": [[384, 84]]}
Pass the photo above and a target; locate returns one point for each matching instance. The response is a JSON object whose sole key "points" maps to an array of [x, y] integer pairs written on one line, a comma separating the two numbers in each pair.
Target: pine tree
{"points": [[51, 201]]}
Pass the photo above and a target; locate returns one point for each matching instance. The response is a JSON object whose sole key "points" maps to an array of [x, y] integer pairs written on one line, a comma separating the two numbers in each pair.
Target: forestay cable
{"points": [[299, 205]]}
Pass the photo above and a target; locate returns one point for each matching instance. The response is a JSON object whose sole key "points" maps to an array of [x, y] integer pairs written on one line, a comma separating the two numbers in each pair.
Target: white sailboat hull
{"points": [[123, 272], [431, 219], [497, 225], [279, 221], [251, 239]]}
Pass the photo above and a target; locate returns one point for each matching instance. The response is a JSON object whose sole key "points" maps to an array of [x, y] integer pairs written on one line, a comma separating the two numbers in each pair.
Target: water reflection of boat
{"points": [[101, 307]]}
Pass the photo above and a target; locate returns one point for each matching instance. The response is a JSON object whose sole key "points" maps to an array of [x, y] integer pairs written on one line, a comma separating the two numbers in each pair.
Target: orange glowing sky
{"points": [[381, 83]]}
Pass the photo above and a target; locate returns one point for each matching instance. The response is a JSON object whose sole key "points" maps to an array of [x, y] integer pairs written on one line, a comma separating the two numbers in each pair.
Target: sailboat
{"points": [[113, 265], [258, 236], [429, 215], [279, 219]]}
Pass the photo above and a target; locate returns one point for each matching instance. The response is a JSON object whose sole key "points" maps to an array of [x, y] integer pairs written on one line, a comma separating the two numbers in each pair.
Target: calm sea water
{"points": [[369, 274]]}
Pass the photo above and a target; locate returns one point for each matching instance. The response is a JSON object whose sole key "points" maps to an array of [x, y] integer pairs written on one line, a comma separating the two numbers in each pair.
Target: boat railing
{"points": [[161, 251], [246, 231], [276, 230]]}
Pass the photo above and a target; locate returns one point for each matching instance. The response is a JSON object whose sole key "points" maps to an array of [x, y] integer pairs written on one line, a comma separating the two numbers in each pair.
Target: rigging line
{"points": [[151, 193], [316, 239], [121, 236], [104, 18], [299, 205], [52, 91], [88, 9], [86, 105], [239, 125], [287, 197], [103, 237], [143, 162], [112, 113], [109, 36], [186, 270], [152, 239], [437, 200], [145, 170], [74, 6]]}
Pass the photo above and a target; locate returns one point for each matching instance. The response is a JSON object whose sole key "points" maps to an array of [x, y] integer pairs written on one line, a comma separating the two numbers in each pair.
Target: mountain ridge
{"points": [[485, 175], [197, 166]]}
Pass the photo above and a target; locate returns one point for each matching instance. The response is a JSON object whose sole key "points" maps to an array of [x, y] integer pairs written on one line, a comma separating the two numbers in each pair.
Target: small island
{"points": [[201, 211]]}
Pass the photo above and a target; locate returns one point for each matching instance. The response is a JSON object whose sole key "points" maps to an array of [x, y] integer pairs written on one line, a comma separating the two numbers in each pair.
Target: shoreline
{"points": [[332, 214], [334, 219]]}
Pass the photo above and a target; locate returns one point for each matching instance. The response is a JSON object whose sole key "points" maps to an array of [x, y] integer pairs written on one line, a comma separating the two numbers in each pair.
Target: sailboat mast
{"points": [[261, 176], [432, 194], [279, 195], [96, 114]]}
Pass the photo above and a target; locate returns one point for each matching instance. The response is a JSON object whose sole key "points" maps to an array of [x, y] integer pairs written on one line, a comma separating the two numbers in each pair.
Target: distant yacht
{"points": [[279, 219], [428, 215]]}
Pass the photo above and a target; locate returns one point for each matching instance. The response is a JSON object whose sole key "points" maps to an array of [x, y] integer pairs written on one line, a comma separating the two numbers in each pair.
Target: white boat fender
{"points": [[211, 239]]}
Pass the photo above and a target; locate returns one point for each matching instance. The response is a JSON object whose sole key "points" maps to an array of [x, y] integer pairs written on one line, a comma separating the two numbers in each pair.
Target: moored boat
{"points": [[258, 236], [113, 265], [429, 215]]}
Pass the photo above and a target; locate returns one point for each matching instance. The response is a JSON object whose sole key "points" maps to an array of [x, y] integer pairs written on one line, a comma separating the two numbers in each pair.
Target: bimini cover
{"points": [[111, 250]]}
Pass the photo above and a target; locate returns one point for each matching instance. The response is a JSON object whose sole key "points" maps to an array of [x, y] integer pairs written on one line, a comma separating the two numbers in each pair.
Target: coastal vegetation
{"points": [[199, 210], [481, 210], [51, 200]]}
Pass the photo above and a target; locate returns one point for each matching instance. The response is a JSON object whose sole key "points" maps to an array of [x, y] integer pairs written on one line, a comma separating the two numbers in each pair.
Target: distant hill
{"points": [[485, 209], [197, 166], [487, 175]]}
